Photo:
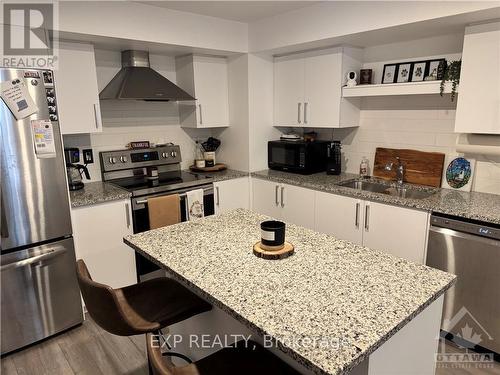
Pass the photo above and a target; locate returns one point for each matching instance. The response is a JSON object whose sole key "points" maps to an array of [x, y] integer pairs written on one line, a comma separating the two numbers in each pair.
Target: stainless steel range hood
{"points": [[136, 80]]}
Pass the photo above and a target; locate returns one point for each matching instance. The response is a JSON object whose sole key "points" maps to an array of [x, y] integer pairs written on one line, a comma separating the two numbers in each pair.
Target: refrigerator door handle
{"points": [[35, 259], [4, 228]]}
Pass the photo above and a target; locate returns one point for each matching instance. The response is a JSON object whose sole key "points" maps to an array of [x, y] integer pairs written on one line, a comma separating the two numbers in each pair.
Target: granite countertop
{"points": [[228, 174], [97, 192], [469, 205], [329, 289]]}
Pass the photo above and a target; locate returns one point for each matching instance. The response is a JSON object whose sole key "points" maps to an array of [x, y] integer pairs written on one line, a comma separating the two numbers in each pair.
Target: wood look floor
{"points": [[90, 350]]}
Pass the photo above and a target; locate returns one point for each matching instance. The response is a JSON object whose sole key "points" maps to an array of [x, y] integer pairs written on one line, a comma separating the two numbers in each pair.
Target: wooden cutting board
{"points": [[423, 168]]}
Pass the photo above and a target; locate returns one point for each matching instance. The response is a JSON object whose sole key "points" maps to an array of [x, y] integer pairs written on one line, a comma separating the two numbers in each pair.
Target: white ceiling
{"points": [[236, 10]]}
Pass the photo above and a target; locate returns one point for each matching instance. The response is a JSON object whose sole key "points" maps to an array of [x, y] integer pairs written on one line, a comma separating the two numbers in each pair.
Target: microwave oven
{"points": [[297, 156]]}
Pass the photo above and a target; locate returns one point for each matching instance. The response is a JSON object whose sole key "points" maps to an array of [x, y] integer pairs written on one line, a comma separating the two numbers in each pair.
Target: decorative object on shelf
{"points": [[365, 76], [403, 75], [216, 168], [389, 73], [436, 69], [138, 145], [351, 79], [451, 73], [458, 173], [199, 163], [418, 71]]}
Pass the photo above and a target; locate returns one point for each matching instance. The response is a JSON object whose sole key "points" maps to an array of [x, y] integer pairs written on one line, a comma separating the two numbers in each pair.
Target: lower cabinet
{"points": [[98, 231], [339, 216], [282, 201], [396, 230], [231, 194]]}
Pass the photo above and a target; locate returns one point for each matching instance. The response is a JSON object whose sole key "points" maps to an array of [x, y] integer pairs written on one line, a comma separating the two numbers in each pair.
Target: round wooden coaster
{"points": [[285, 252], [217, 167]]}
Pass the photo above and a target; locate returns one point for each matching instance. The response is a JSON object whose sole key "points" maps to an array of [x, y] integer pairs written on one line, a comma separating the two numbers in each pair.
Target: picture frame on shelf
{"points": [[435, 71], [403, 72], [365, 76], [389, 73], [419, 71]]}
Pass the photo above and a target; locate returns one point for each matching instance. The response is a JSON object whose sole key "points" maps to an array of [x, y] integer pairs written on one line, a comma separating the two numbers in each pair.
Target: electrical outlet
{"points": [[88, 157]]}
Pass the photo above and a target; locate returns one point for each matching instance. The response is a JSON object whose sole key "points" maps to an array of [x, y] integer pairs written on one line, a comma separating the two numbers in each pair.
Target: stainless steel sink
{"points": [[396, 191], [365, 185]]}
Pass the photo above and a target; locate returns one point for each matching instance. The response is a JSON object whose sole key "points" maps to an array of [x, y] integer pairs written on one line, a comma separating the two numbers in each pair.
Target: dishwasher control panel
{"points": [[482, 230]]}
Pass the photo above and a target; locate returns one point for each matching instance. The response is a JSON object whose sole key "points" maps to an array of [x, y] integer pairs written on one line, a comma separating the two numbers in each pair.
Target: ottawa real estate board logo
{"points": [[28, 39]]}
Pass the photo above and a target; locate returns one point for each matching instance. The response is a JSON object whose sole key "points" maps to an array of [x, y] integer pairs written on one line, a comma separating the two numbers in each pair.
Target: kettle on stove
{"points": [[74, 170]]}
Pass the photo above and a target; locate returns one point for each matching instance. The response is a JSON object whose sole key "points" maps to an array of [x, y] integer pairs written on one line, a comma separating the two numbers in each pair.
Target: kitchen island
{"points": [[332, 306]]}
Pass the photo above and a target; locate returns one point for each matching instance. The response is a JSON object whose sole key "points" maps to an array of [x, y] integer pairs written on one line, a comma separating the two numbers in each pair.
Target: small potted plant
{"points": [[452, 74]]}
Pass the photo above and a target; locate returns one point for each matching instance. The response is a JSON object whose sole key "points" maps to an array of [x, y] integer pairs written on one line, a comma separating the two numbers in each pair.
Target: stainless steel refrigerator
{"points": [[39, 290]]}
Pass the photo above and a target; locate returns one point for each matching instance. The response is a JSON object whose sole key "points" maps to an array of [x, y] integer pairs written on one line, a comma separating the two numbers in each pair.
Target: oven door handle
{"points": [[181, 195]]}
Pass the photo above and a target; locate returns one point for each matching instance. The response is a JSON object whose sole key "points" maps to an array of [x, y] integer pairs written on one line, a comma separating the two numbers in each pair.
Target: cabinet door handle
{"points": [[218, 196], [356, 222], [97, 117], [299, 105], [276, 195], [305, 112], [127, 214], [282, 196], [367, 217], [201, 114]]}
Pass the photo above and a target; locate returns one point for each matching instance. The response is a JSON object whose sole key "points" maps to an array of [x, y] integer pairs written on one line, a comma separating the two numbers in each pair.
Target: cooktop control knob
{"points": [[164, 155], [174, 154], [52, 117], [52, 109], [123, 159], [112, 160]]}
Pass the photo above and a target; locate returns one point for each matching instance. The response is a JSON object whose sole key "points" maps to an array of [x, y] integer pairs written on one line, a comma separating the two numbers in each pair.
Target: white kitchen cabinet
{"points": [[98, 231], [231, 194], [77, 93], [339, 216], [297, 205], [308, 89], [396, 230], [282, 201], [266, 197], [205, 78], [289, 91], [478, 104]]}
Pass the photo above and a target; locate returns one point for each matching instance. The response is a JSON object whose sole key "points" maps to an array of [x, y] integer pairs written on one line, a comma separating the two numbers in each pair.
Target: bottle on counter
{"points": [[363, 167]]}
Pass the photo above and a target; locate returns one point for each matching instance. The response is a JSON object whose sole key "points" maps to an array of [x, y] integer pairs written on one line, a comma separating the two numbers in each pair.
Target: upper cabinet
{"points": [[76, 89], [205, 78], [478, 105], [308, 89]]}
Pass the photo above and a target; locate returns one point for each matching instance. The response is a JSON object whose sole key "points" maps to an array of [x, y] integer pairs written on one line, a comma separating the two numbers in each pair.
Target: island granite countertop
{"points": [[469, 205], [95, 193], [328, 288]]}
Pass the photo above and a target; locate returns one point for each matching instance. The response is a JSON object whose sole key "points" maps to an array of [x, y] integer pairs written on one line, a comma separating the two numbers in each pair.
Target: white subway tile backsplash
{"points": [[392, 125]]}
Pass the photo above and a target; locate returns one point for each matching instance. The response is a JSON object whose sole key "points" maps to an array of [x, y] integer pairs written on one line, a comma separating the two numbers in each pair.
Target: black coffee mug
{"points": [[272, 234]]}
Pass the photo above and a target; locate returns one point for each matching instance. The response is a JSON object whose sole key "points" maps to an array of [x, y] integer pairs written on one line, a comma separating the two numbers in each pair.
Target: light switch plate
{"points": [[88, 156]]}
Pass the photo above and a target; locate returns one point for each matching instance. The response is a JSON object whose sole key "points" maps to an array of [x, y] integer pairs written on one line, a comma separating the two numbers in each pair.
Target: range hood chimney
{"points": [[137, 81]]}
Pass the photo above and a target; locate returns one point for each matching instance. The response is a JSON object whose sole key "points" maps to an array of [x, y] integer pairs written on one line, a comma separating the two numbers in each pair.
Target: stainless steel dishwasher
{"points": [[471, 251]]}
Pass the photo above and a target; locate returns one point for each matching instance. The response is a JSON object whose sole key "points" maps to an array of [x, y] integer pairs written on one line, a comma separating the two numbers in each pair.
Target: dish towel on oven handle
{"points": [[194, 201]]}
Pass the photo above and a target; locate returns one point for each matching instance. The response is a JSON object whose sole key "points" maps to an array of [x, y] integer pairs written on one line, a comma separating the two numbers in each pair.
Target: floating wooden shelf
{"points": [[390, 89]]}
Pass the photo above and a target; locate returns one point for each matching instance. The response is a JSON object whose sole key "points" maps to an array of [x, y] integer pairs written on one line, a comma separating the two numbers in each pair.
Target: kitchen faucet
{"points": [[400, 170]]}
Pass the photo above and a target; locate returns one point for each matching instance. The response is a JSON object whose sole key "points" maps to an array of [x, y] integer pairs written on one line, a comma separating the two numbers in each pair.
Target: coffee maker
{"points": [[75, 170], [334, 158]]}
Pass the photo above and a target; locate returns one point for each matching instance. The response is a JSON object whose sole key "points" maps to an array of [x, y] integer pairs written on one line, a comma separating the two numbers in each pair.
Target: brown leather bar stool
{"points": [[145, 307], [241, 358]]}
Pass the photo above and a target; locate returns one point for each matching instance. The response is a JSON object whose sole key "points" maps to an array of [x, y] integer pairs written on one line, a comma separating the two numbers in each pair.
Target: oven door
{"points": [[286, 156], [140, 216]]}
